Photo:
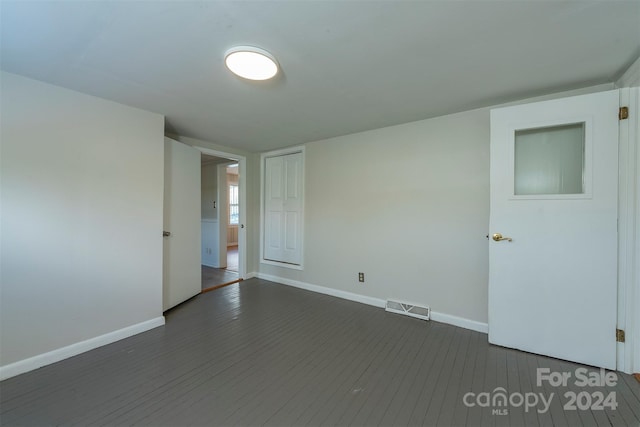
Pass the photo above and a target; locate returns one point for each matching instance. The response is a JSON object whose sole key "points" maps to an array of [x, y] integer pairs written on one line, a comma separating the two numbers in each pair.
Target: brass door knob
{"points": [[498, 237]]}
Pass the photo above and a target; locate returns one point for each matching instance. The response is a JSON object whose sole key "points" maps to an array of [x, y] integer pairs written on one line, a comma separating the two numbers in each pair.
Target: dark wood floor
{"points": [[259, 353], [232, 258]]}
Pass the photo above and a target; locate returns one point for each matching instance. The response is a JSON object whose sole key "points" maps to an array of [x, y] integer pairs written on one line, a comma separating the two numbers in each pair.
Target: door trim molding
{"points": [[223, 213], [634, 312], [628, 353], [242, 173]]}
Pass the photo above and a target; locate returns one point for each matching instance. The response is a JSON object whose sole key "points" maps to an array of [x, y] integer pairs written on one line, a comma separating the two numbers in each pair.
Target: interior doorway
{"points": [[222, 245], [233, 216]]}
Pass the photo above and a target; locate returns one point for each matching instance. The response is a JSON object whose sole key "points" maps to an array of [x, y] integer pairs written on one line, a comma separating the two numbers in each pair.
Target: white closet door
{"points": [[283, 209]]}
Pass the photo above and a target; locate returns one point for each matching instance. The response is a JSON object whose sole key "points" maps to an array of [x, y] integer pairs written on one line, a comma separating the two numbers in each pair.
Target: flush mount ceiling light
{"points": [[251, 63]]}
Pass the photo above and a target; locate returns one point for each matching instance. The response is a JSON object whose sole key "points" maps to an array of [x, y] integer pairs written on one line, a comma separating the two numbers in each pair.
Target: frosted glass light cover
{"points": [[550, 160], [251, 63]]}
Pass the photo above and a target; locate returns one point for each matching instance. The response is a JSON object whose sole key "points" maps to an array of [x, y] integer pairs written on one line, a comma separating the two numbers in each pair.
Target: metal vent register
{"points": [[420, 312]]}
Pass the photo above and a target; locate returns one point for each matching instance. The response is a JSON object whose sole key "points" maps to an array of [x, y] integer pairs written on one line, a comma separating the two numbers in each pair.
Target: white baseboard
{"points": [[35, 362], [250, 275], [460, 321], [376, 302]]}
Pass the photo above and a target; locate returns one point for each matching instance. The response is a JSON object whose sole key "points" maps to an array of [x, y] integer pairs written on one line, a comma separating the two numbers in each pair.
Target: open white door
{"points": [[554, 192], [182, 272]]}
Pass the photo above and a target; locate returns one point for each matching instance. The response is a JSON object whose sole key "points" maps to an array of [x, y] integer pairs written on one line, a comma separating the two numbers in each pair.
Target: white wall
{"points": [[407, 205], [82, 194], [209, 176], [209, 225], [631, 76]]}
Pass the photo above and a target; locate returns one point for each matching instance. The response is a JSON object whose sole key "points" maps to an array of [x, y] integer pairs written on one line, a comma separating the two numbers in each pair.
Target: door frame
{"points": [[263, 156], [628, 353], [242, 178], [223, 212]]}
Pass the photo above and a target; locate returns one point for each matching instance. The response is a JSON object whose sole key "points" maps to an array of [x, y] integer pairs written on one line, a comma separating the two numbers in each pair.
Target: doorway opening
{"points": [[222, 245]]}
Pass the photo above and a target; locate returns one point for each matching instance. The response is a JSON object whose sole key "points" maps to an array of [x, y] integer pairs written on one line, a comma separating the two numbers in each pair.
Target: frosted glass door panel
{"points": [[550, 160]]}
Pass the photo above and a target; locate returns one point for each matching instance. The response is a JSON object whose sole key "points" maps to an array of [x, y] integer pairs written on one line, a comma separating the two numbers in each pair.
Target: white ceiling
{"points": [[347, 66]]}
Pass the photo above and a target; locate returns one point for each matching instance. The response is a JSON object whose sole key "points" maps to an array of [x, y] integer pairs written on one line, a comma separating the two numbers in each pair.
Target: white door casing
{"points": [[223, 215], [242, 180], [283, 204], [552, 290], [629, 233], [182, 273]]}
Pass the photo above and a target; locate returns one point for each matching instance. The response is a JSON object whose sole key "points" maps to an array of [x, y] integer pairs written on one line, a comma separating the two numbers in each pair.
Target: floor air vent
{"points": [[417, 311]]}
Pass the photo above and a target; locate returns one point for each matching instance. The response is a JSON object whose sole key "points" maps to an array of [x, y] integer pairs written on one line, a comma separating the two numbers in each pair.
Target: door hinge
{"points": [[623, 113], [619, 335]]}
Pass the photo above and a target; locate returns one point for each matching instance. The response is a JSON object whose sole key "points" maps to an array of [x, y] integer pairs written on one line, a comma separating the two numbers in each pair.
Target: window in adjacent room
{"points": [[234, 209]]}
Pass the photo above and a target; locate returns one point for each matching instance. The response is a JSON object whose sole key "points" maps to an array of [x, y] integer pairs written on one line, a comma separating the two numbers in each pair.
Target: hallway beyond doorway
{"points": [[213, 277], [232, 258]]}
